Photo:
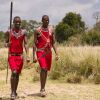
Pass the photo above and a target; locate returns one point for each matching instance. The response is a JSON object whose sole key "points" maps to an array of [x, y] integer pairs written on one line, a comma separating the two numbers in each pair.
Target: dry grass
{"points": [[71, 59], [28, 90], [84, 61]]}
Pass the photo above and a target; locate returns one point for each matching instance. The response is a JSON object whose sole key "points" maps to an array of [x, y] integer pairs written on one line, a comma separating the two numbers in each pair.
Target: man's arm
{"points": [[26, 47], [34, 45], [54, 44], [6, 39]]}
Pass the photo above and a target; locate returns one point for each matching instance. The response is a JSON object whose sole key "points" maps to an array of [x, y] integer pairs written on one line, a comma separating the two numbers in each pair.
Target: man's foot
{"points": [[13, 96], [42, 93], [16, 94]]}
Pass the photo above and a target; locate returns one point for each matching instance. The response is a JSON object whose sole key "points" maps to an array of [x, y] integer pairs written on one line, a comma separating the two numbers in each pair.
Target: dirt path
{"points": [[29, 90]]}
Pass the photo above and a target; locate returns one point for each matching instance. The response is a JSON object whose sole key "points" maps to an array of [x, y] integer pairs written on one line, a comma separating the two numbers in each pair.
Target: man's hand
{"points": [[28, 59], [34, 60], [56, 57], [7, 45]]}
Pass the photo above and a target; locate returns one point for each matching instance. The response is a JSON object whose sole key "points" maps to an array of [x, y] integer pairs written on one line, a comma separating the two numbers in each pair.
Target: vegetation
{"points": [[30, 26], [75, 64], [70, 25], [71, 30]]}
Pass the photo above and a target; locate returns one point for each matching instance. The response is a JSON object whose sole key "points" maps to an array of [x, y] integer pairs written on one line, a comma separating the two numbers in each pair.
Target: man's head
{"points": [[17, 22], [45, 20]]}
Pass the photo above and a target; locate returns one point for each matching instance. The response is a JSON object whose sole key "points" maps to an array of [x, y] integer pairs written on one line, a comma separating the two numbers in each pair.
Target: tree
{"points": [[71, 24], [1, 38], [96, 16], [92, 37], [30, 26], [97, 26], [63, 31], [74, 20]]}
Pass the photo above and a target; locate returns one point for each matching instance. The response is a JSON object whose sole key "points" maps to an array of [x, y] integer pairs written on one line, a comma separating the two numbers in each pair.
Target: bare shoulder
{"points": [[24, 31], [51, 29], [37, 30]]}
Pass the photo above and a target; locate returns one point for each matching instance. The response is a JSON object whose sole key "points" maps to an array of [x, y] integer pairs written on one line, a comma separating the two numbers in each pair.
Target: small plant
{"points": [[36, 78], [74, 78], [97, 79]]}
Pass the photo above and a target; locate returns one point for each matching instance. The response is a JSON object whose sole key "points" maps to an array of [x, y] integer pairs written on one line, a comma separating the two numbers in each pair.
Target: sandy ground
{"points": [[29, 90]]}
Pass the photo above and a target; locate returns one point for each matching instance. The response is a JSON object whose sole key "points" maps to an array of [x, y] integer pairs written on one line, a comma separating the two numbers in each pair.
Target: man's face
{"points": [[45, 21], [17, 22]]}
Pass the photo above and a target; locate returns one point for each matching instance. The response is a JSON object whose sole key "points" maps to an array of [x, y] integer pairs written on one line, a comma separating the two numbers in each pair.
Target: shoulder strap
{"points": [[39, 30]]}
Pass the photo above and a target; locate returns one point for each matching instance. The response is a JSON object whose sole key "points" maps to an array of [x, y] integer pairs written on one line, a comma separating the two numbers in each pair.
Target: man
{"points": [[16, 39], [44, 40]]}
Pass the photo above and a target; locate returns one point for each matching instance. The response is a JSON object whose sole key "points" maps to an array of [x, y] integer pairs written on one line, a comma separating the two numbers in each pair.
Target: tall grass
{"points": [[74, 62], [3, 58]]}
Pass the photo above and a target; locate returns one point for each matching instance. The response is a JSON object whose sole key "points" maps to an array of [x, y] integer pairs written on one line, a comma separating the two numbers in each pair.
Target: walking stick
{"points": [[30, 64], [11, 9]]}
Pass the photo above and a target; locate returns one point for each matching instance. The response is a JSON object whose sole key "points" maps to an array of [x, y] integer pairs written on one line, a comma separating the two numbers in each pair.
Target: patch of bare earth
{"points": [[29, 90]]}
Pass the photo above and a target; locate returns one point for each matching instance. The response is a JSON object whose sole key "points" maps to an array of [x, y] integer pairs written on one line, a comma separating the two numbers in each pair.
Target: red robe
{"points": [[44, 45], [15, 57]]}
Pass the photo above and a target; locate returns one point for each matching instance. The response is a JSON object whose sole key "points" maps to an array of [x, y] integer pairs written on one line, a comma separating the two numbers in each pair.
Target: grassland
{"points": [[73, 61]]}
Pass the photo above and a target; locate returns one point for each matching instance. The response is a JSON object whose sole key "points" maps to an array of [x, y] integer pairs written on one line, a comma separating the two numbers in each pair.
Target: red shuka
{"points": [[15, 58], [44, 45]]}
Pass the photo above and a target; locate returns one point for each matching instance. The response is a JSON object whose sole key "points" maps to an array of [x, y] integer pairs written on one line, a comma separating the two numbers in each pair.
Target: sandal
{"points": [[42, 93], [16, 95], [13, 96]]}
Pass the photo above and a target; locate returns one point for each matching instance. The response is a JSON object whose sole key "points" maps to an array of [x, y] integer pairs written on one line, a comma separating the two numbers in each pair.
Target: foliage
{"points": [[97, 26], [92, 37], [73, 78], [1, 38], [97, 79], [30, 26], [73, 64], [75, 40], [63, 32], [71, 24], [1, 35], [74, 20]]}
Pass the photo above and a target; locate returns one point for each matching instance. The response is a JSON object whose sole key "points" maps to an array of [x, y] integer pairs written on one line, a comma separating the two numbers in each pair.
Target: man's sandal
{"points": [[13, 96], [43, 93]]}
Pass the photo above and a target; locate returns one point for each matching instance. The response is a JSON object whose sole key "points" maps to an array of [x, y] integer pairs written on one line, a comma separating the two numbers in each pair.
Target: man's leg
{"points": [[43, 77], [14, 83]]}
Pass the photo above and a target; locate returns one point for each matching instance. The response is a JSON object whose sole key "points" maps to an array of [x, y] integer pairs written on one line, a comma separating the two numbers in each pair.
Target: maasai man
{"points": [[44, 40], [16, 39]]}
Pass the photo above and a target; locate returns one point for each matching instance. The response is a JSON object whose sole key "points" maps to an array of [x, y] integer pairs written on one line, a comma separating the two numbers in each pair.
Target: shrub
{"points": [[97, 79], [73, 78], [92, 37]]}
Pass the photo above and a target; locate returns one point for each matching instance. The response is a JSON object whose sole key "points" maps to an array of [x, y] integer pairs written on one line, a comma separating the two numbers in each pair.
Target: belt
{"points": [[43, 49], [40, 49], [15, 54]]}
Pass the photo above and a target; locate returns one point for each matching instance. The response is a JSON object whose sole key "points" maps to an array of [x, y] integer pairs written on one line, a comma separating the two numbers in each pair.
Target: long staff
{"points": [[11, 10]]}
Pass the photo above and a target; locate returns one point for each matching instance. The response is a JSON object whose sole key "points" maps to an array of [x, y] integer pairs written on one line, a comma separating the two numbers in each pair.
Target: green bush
{"points": [[97, 79], [73, 78], [87, 66], [92, 37]]}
